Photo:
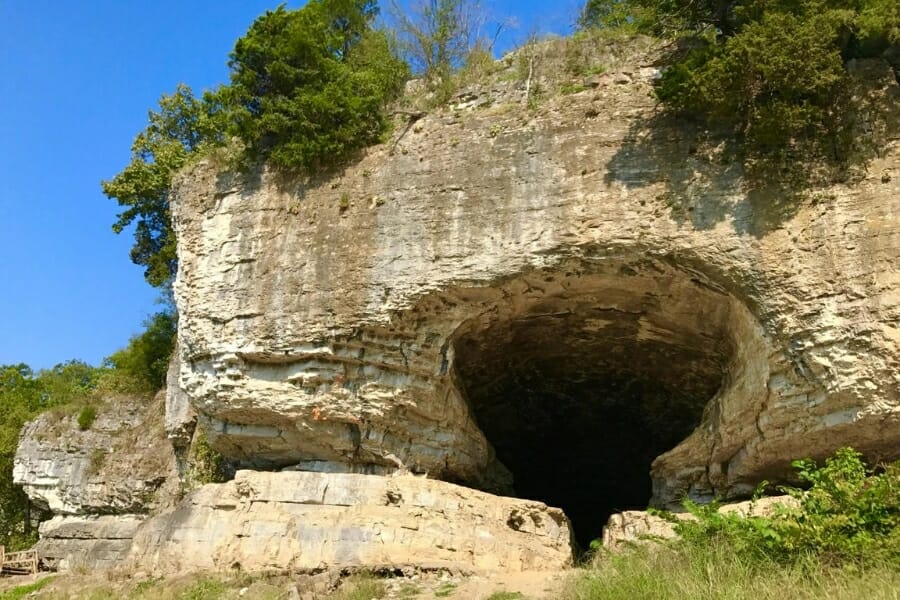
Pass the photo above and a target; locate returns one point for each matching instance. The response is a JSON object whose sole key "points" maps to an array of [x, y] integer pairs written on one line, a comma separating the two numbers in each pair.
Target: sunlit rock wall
{"points": [[319, 319]]}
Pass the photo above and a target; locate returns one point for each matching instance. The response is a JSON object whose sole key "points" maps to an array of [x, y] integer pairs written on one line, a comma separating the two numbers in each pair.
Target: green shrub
{"points": [[204, 589], [86, 417], [848, 514], [141, 366], [206, 464]]}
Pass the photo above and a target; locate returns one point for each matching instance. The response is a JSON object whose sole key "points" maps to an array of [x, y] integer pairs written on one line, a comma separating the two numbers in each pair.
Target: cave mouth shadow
{"points": [[579, 393]]}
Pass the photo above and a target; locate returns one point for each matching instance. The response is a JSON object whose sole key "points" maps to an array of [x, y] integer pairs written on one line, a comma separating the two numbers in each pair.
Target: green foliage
{"points": [[621, 14], [712, 570], [841, 540], [206, 465], [205, 589], [308, 88], [309, 85], [141, 366], [86, 417], [772, 72], [848, 514], [21, 591], [183, 126], [506, 596]]}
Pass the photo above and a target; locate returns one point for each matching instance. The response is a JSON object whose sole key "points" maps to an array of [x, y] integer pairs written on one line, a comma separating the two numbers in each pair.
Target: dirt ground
{"points": [[530, 585]]}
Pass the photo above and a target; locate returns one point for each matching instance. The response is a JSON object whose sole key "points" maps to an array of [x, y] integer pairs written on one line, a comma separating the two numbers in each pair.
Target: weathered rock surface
{"points": [[96, 542], [308, 521], [117, 466], [491, 248], [99, 483]]}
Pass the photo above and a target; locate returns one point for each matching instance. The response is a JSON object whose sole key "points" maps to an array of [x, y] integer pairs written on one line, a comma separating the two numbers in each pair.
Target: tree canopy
{"points": [[772, 71], [309, 86], [181, 127], [307, 89]]}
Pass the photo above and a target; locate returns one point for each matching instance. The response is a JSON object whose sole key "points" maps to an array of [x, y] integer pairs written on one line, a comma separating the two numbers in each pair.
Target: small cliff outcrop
{"points": [[99, 483], [305, 521]]}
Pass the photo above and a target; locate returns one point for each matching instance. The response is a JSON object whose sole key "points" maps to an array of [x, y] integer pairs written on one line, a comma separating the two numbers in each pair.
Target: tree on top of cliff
{"points": [[183, 126], [772, 72], [309, 86]]}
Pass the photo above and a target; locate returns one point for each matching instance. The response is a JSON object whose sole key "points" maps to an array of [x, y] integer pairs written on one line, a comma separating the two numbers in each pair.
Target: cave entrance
{"points": [[583, 380]]}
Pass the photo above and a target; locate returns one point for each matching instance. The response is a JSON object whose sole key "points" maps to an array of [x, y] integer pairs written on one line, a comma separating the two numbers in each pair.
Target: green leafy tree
{"points": [[310, 85], [774, 72], [23, 395], [141, 366], [183, 126], [308, 88], [611, 13]]}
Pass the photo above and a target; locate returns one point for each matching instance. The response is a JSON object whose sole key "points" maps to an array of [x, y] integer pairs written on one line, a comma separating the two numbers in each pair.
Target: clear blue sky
{"points": [[76, 81]]}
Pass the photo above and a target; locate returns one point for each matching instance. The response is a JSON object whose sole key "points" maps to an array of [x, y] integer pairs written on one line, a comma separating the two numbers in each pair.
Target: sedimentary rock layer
{"points": [[352, 322], [91, 542], [308, 521], [119, 464]]}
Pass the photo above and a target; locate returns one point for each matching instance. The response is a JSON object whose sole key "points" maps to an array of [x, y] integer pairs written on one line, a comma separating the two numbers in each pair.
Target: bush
{"points": [[309, 86], [842, 540], [142, 365], [847, 514], [773, 73], [86, 417]]}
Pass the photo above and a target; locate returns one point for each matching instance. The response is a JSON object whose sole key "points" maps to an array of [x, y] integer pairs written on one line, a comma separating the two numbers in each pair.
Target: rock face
{"points": [[636, 526], [117, 466], [513, 299], [95, 542], [99, 483], [306, 521]]}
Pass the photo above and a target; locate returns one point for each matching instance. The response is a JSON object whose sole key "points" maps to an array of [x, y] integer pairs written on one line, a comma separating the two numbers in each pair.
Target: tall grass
{"points": [[694, 572], [840, 541]]}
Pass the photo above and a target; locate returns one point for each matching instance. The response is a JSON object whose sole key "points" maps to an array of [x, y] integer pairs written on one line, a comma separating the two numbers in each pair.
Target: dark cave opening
{"points": [[578, 399]]}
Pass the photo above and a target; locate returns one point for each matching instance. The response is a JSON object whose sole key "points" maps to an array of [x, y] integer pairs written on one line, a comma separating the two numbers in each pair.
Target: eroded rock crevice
{"points": [[582, 389]]}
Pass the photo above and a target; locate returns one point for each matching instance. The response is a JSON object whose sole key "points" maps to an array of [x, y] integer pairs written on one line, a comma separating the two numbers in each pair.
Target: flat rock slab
{"points": [[306, 521], [94, 542]]}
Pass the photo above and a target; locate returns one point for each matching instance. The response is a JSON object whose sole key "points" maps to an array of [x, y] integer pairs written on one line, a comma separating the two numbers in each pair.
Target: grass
{"points": [[360, 587], [506, 596], [684, 572], [445, 590], [24, 590]]}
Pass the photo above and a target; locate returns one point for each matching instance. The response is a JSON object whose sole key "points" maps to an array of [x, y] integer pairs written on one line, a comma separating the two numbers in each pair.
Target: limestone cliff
{"points": [[558, 303], [99, 483], [543, 303]]}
